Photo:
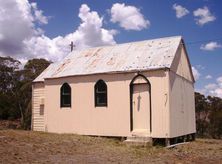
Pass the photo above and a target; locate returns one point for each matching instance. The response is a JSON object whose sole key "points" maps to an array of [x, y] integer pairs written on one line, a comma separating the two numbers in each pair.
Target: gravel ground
{"points": [[18, 146]]}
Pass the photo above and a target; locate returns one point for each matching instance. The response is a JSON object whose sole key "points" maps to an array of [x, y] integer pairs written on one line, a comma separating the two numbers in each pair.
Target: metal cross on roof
{"points": [[72, 46]]}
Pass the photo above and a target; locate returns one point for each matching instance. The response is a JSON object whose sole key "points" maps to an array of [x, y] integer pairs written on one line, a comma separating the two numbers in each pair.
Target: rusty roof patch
{"points": [[143, 55], [62, 67]]}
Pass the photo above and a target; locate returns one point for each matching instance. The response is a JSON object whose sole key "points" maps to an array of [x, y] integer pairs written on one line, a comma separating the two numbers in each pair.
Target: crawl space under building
{"points": [[143, 88]]}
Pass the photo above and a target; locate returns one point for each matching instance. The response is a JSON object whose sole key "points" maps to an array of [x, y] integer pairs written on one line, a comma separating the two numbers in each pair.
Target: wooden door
{"points": [[141, 108]]}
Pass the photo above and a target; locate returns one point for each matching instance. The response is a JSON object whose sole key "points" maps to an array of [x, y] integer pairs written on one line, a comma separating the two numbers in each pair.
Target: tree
{"points": [[32, 69], [202, 114], [16, 88], [9, 75], [208, 116], [215, 116]]}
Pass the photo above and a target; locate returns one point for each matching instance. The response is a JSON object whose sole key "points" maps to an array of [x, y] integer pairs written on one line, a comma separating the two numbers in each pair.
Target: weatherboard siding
{"points": [[38, 98], [182, 108], [181, 91], [181, 65]]}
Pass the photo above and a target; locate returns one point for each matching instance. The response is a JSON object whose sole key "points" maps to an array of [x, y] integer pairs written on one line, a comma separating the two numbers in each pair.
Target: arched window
{"points": [[65, 95], [100, 91]]}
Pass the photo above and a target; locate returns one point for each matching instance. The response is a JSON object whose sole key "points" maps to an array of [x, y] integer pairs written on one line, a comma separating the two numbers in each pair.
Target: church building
{"points": [[143, 88]]}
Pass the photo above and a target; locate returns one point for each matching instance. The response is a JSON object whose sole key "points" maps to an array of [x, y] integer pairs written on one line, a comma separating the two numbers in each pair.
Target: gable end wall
{"points": [[181, 65], [181, 89]]}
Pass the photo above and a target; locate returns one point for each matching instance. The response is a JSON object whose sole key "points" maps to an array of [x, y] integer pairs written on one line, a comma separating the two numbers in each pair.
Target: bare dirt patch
{"points": [[17, 146]]}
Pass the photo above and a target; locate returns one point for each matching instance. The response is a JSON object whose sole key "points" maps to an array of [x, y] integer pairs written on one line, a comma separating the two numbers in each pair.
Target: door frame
{"points": [[131, 99]]}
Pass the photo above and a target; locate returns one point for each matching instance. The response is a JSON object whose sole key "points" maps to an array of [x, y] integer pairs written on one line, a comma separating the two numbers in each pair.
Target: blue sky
{"points": [[52, 24]]}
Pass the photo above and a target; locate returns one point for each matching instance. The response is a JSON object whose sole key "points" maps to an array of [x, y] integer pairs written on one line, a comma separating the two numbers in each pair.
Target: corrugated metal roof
{"points": [[135, 56]]}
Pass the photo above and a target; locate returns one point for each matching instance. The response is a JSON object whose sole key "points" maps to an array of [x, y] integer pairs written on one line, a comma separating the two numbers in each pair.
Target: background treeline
{"points": [[16, 93], [208, 116], [16, 88]]}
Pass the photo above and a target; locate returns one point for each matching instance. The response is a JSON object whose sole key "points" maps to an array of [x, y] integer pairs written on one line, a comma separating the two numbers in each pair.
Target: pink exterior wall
{"points": [[114, 120], [181, 91], [182, 106]]}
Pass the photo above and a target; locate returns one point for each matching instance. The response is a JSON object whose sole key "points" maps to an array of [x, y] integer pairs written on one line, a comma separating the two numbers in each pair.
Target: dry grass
{"points": [[17, 146]]}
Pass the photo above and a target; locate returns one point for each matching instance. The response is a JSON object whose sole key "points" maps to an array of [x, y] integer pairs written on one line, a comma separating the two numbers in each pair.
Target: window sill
{"points": [[101, 106], [65, 107]]}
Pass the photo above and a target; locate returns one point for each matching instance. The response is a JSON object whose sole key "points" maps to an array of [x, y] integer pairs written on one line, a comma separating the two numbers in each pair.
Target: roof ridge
{"points": [[119, 44]]}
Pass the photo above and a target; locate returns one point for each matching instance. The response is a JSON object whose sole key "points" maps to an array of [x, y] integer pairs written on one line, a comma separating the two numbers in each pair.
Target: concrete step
{"points": [[139, 138], [139, 141]]}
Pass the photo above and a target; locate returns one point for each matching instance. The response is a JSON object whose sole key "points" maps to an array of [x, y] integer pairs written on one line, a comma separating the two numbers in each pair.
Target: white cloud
{"points": [[218, 92], [180, 10], [128, 17], [16, 24], [200, 67], [219, 81], [39, 14], [210, 86], [90, 30], [203, 16], [213, 89], [208, 77], [210, 46], [22, 39], [196, 73]]}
